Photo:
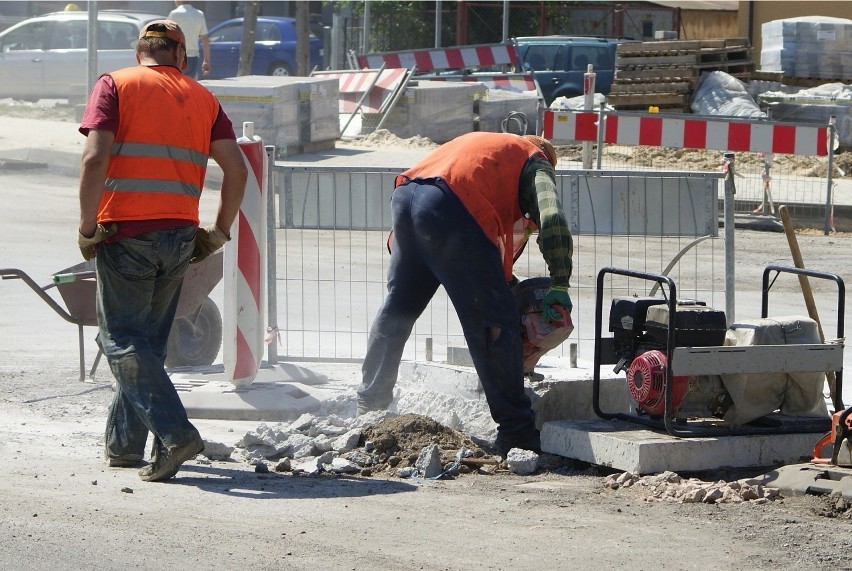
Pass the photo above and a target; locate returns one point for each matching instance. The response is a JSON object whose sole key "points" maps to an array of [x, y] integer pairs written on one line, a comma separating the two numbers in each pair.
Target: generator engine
{"points": [[640, 335]]}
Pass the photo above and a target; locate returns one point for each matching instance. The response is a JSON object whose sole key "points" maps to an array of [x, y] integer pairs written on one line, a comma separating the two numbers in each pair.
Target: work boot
{"points": [[126, 461], [531, 442], [364, 408], [165, 462]]}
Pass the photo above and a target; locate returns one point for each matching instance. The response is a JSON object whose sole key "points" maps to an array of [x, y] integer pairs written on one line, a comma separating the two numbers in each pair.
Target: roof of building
{"points": [[725, 5]]}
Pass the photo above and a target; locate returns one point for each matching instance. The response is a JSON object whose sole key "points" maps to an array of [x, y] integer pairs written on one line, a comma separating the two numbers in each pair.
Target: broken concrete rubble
{"points": [[671, 487]]}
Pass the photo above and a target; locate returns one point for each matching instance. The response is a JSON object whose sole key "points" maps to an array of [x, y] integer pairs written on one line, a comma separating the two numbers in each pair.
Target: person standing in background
{"points": [[191, 20]]}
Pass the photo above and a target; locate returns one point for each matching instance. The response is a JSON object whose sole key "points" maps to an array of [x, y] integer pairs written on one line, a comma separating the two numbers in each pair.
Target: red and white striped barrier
{"points": [[458, 57], [244, 328], [379, 84], [683, 133], [507, 81]]}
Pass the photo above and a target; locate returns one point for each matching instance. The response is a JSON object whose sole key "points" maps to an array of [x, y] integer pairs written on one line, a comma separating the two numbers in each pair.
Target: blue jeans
{"points": [[139, 282], [191, 67], [437, 242]]}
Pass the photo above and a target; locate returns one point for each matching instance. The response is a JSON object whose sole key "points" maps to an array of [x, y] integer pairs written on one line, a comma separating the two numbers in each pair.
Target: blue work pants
{"points": [[437, 242]]}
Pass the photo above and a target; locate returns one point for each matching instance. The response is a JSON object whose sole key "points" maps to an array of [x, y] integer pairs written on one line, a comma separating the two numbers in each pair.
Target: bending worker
{"points": [[149, 131], [454, 219]]}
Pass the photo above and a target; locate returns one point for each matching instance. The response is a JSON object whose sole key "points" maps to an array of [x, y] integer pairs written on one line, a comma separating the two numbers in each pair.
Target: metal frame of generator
{"points": [[687, 361]]}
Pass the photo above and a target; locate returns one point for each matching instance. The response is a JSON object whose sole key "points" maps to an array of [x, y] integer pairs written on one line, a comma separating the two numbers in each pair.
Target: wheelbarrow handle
{"points": [[64, 278], [68, 278]]}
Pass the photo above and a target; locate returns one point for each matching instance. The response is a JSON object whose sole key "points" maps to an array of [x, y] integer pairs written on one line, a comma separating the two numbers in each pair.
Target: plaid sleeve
{"points": [[537, 197]]}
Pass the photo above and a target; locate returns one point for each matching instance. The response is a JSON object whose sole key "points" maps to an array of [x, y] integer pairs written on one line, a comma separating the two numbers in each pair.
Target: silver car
{"points": [[46, 57]]}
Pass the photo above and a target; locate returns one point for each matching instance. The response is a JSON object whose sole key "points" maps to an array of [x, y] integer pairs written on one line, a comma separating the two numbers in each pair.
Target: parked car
{"points": [[558, 63], [274, 47], [46, 57]]}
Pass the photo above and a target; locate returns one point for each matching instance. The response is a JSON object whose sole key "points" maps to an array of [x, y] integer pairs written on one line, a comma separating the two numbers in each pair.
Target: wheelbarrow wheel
{"points": [[195, 339]]}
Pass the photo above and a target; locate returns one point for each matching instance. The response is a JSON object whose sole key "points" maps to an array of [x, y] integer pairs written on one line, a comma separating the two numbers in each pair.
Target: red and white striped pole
{"points": [[244, 328]]}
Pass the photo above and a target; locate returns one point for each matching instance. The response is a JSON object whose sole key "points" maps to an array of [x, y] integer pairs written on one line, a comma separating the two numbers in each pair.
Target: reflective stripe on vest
{"points": [[156, 185], [484, 170]]}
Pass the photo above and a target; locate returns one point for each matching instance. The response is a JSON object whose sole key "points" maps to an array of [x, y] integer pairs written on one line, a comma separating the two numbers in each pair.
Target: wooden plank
{"points": [[662, 87], [668, 109], [647, 99], [725, 66], [680, 45], [686, 59], [767, 75], [656, 73]]}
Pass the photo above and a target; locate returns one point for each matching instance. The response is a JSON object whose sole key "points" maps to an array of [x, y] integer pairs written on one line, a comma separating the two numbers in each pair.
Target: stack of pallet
{"points": [[663, 74]]}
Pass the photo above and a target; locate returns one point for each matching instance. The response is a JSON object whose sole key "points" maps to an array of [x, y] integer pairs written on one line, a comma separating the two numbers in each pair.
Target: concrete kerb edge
{"points": [[63, 162]]}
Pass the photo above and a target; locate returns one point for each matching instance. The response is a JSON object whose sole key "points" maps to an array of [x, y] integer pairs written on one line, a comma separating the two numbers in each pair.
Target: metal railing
{"points": [[332, 255]]}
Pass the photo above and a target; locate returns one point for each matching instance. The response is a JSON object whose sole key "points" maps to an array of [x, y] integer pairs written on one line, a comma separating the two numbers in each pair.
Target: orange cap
{"points": [[165, 29], [545, 146]]}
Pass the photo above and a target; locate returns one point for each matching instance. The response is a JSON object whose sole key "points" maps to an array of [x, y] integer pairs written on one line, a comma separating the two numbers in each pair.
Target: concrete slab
{"points": [[280, 392], [564, 394], [625, 446], [804, 479]]}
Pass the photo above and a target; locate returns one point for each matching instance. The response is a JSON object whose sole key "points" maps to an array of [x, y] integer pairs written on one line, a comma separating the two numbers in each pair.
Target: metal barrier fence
{"points": [[332, 256]]}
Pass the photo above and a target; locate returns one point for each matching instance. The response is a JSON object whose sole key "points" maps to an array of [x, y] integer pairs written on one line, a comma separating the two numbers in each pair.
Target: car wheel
{"points": [[280, 68], [195, 339]]}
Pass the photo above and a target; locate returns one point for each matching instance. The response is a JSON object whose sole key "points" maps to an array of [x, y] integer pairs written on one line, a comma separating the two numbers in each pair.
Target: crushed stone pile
{"points": [[671, 487], [378, 443]]}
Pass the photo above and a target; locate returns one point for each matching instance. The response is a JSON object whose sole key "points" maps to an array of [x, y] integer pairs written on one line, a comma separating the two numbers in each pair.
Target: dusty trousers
{"points": [[437, 242], [139, 283]]}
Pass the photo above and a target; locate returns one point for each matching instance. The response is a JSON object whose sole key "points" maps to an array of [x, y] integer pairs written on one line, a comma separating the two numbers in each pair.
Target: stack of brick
{"points": [[437, 110], [663, 74], [296, 114], [812, 47]]}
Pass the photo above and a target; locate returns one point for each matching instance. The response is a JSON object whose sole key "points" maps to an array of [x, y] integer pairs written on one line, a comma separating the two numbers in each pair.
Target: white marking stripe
{"points": [[439, 59], [761, 137], [628, 131], [673, 133], [717, 135]]}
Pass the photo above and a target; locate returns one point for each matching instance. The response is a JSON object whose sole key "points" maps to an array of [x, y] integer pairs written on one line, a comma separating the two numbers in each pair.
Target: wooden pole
{"points": [[808, 295]]}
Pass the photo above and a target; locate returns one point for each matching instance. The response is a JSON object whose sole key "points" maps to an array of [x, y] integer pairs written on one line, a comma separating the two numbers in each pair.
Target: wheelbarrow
{"points": [[196, 334]]}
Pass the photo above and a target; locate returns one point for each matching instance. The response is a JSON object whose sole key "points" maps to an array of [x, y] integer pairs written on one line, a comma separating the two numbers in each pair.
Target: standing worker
{"points": [[454, 215], [191, 20], [149, 131]]}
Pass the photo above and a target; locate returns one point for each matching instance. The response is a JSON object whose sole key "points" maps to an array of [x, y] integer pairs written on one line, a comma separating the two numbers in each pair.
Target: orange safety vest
{"points": [[484, 171], [159, 157]]}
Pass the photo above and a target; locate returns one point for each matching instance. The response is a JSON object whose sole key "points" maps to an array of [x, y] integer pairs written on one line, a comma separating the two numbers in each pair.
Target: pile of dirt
{"points": [[384, 138], [663, 158], [395, 442], [832, 506]]}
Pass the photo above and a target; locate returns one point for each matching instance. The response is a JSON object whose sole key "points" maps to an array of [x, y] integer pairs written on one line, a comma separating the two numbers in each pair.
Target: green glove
{"points": [[208, 239], [88, 246], [556, 295]]}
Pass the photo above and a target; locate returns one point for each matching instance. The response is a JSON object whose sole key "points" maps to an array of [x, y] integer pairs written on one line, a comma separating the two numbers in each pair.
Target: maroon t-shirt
{"points": [[101, 114]]}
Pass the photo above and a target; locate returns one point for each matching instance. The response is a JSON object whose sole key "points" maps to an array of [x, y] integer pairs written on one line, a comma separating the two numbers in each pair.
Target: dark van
{"points": [[559, 62]]}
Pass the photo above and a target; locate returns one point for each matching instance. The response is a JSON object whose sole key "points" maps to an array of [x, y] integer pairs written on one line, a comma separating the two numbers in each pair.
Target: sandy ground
{"points": [[64, 509]]}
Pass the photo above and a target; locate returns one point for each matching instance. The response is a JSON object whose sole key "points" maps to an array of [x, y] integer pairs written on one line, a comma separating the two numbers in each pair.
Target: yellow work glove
{"points": [[208, 239], [88, 246]]}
